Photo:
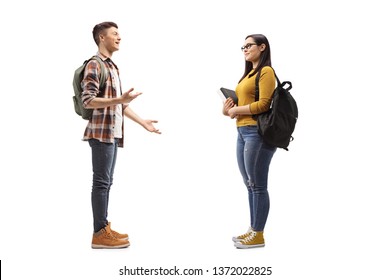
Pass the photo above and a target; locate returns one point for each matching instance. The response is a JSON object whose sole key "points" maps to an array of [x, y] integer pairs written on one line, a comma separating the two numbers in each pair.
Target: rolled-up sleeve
{"points": [[266, 89], [90, 82]]}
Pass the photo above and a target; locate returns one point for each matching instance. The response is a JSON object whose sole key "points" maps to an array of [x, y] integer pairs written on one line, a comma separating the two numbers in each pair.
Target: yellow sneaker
{"points": [[253, 240], [118, 235], [242, 236], [105, 239]]}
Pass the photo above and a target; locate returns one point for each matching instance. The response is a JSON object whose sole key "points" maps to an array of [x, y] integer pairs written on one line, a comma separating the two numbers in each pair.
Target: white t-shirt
{"points": [[118, 109]]}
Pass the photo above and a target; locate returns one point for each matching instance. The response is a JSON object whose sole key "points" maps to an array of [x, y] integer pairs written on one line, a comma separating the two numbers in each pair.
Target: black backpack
{"points": [[78, 76], [278, 123]]}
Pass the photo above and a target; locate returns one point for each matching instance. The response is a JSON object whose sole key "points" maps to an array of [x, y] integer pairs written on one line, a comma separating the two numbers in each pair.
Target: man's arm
{"points": [[90, 85], [100, 102], [147, 124]]}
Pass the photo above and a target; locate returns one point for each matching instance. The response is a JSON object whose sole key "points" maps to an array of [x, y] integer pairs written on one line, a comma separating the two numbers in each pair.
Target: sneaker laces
{"points": [[250, 237], [246, 234]]}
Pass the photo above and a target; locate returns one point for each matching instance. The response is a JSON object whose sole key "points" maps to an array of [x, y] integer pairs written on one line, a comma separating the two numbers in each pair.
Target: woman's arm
{"points": [[266, 89]]}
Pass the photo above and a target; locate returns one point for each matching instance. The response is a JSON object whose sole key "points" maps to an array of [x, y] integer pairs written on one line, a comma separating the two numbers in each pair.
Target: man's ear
{"points": [[101, 37]]}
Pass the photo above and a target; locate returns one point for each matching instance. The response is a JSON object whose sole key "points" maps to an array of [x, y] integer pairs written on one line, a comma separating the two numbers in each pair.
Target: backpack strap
{"points": [[103, 72], [257, 86], [257, 90]]}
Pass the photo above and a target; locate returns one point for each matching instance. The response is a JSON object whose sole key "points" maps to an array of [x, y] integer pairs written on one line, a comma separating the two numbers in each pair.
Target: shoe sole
{"points": [[242, 246], [95, 246]]}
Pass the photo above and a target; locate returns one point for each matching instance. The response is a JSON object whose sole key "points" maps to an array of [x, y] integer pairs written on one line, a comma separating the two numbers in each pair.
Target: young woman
{"points": [[253, 155]]}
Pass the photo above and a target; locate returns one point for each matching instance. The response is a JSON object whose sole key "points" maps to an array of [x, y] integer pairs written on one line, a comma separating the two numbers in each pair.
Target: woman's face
{"points": [[251, 50]]}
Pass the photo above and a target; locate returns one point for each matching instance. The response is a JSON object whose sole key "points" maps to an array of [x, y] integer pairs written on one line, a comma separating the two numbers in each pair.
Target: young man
{"points": [[104, 131]]}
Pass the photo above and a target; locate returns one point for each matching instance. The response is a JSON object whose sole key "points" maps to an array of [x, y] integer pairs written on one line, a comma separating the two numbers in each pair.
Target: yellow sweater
{"points": [[245, 91]]}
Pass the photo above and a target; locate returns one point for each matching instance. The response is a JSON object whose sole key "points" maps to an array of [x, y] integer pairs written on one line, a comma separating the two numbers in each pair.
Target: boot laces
{"points": [[109, 234]]}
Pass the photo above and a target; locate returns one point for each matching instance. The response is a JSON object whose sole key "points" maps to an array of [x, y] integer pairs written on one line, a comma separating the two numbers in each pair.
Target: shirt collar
{"points": [[103, 57]]}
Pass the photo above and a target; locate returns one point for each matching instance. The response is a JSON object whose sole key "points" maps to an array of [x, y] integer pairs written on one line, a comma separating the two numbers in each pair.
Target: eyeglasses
{"points": [[248, 46]]}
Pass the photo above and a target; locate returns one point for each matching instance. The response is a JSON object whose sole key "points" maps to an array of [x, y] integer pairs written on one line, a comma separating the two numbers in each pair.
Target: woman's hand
{"points": [[227, 105], [233, 112]]}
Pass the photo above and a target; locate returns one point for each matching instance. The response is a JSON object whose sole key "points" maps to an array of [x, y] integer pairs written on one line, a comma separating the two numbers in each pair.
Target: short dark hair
{"points": [[100, 28], [265, 58]]}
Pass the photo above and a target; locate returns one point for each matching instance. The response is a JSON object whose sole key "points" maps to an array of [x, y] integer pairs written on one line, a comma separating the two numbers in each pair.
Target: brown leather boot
{"points": [[117, 234], [105, 239]]}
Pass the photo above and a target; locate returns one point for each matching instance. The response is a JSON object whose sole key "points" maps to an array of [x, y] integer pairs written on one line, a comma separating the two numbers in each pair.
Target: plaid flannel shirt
{"points": [[101, 125]]}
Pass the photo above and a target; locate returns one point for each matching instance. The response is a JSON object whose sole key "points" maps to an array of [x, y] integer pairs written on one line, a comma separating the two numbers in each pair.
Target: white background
{"points": [[179, 195]]}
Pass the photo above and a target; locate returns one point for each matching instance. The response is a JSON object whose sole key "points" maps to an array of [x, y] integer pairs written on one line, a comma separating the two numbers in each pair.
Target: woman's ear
{"points": [[262, 47]]}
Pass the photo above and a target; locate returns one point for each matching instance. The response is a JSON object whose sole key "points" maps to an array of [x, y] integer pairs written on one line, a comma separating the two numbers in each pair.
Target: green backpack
{"points": [[86, 114]]}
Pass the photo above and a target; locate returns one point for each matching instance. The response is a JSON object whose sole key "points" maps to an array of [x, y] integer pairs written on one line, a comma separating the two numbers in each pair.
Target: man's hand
{"points": [[128, 96], [148, 124]]}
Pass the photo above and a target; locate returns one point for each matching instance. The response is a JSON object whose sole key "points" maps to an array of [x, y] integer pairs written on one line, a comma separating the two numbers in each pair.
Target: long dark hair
{"points": [[265, 57]]}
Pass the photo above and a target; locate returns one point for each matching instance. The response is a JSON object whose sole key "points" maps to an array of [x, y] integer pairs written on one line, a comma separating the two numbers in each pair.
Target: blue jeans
{"points": [[103, 165], [254, 157]]}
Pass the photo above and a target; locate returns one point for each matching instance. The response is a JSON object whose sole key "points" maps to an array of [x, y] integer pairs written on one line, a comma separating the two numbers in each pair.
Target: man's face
{"points": [[110, 39]]}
